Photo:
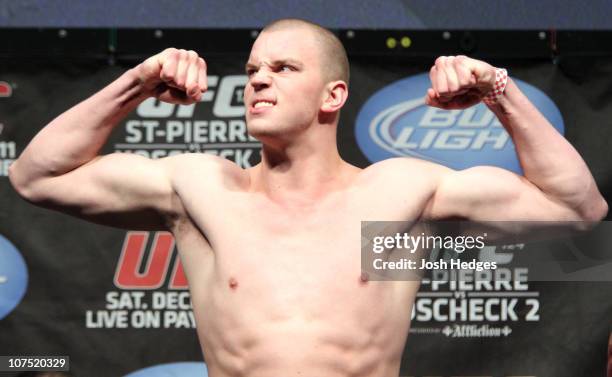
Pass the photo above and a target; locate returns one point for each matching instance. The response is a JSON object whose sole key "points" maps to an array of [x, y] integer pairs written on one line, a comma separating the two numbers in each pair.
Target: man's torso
{"points": [[277, 288]]}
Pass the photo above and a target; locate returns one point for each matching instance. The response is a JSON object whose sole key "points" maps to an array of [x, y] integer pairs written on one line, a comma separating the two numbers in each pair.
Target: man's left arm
{"points": [[557, 184]]}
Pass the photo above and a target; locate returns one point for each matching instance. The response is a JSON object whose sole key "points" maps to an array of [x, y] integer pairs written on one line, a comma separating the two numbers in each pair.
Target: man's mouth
{"points": [[259, 104]]}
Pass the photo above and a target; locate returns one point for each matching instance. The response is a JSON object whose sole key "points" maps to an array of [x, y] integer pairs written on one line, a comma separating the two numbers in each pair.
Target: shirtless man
{"points": [[284, 295]]}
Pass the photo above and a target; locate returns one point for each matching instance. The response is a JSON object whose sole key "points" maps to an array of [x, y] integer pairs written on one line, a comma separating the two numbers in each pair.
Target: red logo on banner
{"points": [[128, 274], [5, 89]]}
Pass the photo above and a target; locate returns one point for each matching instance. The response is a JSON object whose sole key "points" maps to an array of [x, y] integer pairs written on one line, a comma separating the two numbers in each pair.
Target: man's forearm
{"points": [[76, 136], [547, 159]]}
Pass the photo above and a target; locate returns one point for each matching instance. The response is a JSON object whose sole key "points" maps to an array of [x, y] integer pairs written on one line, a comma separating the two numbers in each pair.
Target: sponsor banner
{"points": [[107, 298]]}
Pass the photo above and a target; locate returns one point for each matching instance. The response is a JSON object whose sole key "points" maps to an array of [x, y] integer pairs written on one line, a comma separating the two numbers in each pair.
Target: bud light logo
{"points": [[184, 369], [396, 122], [5, 89], [13, 277]]}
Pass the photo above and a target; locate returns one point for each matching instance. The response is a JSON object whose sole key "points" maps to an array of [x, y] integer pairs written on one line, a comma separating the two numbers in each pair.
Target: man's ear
{"points": [[336, 93]]}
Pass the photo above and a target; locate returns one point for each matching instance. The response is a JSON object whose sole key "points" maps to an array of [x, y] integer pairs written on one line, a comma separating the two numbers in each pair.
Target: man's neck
{"points": [[301, 172]]}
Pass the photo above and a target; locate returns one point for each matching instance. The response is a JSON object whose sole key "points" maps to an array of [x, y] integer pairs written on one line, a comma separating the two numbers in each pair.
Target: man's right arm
{"points": [[61, 168]]}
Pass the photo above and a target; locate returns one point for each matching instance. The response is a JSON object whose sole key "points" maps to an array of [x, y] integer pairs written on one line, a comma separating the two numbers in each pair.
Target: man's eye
{"points": [[250, 72], [286, 68]]}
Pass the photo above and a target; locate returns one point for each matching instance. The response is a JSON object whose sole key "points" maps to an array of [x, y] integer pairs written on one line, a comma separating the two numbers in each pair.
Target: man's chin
{"points": [[269, 136], [259, 129], [265, 136]]}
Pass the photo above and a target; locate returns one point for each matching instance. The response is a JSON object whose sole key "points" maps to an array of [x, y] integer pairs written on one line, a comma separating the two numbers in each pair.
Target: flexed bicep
{"points": [[486, 193], [121, 190]]}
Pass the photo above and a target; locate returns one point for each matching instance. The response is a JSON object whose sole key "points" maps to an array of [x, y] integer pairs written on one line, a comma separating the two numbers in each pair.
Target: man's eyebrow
{"points": [[276, 63], [289, 61]]}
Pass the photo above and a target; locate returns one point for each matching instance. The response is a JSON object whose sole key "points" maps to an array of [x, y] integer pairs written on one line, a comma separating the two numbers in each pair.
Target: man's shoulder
{"points": [[398, 188], [195, 166], [400, 177], [405, 168]]}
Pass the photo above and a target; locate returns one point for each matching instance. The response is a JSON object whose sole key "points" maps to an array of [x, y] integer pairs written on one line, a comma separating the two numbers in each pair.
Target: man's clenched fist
{"points": [[458, 82], [175, 76]]}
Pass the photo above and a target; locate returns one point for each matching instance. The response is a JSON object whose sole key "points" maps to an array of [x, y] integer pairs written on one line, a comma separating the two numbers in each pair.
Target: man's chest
{"points": [[280, 232], [308, 255]]}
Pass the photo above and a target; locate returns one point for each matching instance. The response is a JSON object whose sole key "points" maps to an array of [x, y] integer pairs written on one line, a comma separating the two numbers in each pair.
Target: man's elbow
{"points": [[594, 212], [600, 210], [24, 187]]}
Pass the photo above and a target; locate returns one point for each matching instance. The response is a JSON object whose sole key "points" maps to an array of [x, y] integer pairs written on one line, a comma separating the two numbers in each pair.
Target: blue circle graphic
{"points": [[183, 369], [13, 277], [396, 122]]}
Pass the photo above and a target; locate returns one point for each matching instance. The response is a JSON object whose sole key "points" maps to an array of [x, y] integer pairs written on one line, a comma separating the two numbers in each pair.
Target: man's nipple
{"points": [[364, 278], [233, 283]]}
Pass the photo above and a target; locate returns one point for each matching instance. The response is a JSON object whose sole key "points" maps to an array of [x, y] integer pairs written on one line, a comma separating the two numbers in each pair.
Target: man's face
{"points": [[285, 88]]}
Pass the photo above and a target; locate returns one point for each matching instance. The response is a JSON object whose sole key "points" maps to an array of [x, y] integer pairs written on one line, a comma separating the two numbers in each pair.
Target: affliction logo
{"points": [[158, 257], [5, 89]]}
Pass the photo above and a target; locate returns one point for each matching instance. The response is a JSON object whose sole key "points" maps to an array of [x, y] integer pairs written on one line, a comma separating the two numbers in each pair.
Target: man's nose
{"points": [[261, 79]]}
